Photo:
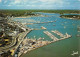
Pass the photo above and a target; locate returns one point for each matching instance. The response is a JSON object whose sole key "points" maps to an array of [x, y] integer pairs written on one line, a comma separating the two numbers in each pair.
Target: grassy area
{"points": [[4, 13]]}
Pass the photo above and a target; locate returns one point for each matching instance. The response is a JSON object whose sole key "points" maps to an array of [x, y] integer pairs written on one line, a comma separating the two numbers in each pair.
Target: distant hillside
{"points": [[4, 13]]}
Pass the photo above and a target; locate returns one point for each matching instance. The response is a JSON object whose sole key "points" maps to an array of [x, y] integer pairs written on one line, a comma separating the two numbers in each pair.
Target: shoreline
{"points": [[70, 18], [40, 47], [27, 45], [32, 16], [16, 40]]}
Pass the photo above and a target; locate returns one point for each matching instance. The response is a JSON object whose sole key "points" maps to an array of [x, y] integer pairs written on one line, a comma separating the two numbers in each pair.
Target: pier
{"points": [[39, 23], [58, 33], [51, 36], [32, 44], [61, 35]]}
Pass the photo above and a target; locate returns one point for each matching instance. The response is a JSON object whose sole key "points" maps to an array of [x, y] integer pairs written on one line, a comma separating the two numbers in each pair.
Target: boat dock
{"points": [[32, 44], [58, 33], [39, 23], [61, 35], [51, 36], [43, 27]]}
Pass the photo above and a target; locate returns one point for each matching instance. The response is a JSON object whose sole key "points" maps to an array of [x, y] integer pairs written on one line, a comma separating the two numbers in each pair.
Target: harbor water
{"points": [[62, 48]]}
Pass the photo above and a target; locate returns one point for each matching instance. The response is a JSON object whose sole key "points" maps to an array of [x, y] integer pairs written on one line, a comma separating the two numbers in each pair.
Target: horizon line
{"points": [[39, 9]]}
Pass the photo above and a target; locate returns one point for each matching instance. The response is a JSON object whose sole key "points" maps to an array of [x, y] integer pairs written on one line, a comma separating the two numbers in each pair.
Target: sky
{"points": [[40, 4]]}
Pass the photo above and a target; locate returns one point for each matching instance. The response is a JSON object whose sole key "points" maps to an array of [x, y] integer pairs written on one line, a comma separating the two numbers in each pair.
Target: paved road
{"points": [[15, 43]]}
